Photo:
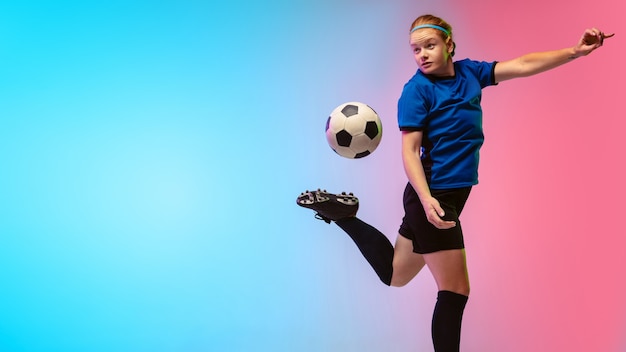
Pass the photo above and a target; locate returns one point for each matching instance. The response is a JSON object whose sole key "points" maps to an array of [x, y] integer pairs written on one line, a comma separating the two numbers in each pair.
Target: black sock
{"points": [[374, 246], [446, 327]]}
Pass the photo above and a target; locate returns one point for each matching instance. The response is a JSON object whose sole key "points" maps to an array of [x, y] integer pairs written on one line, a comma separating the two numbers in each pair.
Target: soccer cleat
{"points": [[329, 207]]}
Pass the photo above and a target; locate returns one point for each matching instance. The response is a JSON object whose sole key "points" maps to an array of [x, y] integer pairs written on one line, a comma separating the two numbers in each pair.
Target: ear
{"points": [[451, 45]]}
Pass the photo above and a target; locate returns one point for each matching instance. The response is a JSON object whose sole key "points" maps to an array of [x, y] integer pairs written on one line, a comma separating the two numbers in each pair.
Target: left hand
{"points": [[591, 39]]}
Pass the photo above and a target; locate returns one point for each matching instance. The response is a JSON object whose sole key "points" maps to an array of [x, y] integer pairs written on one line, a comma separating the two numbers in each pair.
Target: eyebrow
{"points": [[424, 41]]}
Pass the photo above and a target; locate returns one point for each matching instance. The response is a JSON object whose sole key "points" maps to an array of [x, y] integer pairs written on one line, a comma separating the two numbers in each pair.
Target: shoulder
{"points": [[484, 71], [473, 65], [416, 85]]}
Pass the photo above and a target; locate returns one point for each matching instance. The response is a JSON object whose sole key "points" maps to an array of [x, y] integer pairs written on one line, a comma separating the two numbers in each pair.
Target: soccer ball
{"points": [[354, 130]]}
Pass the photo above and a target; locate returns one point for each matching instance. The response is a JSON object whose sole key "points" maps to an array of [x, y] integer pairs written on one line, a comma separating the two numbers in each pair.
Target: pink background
{"points": [[544, 229]]}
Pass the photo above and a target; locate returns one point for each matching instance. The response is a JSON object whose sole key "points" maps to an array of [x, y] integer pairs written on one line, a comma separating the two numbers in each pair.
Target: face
{"points": [[432, 54]]}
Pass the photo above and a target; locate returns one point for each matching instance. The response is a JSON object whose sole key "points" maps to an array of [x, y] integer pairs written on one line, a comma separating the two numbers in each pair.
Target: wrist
{"points": [[573, 53]]}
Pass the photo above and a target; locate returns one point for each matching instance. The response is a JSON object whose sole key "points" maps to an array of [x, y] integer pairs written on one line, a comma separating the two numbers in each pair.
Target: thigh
{"points": [[426, 237], [406, 263], [449, 268]]}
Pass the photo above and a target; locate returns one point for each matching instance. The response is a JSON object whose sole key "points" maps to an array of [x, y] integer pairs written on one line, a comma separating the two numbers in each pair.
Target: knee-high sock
{"points": [[373, 244], [446, 327]]}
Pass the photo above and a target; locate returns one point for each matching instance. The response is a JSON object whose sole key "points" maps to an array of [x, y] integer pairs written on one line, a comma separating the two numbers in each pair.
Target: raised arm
{"points": [[534, 63]]}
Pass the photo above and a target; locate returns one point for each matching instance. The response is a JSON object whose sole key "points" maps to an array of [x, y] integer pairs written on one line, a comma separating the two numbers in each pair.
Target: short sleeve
{"points": [[412, 108], [483, 71]]}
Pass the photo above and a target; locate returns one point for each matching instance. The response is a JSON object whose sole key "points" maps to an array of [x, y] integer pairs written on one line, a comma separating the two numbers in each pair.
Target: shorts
{"points": [[425, 236]]}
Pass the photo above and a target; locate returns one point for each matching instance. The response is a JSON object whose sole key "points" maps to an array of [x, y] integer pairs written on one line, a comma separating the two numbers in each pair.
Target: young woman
{"points": [[440, 117]]}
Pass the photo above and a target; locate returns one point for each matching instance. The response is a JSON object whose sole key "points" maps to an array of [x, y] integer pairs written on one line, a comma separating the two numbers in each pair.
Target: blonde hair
{"points": [[436, 21]]}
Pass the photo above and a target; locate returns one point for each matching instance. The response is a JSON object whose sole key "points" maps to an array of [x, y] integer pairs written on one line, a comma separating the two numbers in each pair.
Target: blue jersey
{"points": [[448, 112]]}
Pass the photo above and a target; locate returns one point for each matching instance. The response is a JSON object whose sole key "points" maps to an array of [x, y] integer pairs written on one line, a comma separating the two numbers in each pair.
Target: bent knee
{"points": [[465, 292], [399, 282], [461, 289]]}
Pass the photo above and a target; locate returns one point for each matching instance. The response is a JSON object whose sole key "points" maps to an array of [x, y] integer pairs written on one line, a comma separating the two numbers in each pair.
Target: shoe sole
{"points": [[325, 204], [306, 199]]}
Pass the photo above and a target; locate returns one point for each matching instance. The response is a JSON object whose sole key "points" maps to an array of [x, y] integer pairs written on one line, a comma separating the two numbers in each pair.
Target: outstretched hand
{"points": [[591, 39], [434, 214]]}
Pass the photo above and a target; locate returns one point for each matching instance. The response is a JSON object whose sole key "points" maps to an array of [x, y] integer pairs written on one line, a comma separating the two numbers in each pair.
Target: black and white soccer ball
{"points": [[354, 130]]}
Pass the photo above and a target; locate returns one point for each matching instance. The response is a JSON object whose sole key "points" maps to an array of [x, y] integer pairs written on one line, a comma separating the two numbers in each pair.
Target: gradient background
{"points": [[151, 153]]}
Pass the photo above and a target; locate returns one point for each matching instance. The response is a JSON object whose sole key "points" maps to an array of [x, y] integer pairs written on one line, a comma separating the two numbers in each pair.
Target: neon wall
{"points": [[151, 154]]}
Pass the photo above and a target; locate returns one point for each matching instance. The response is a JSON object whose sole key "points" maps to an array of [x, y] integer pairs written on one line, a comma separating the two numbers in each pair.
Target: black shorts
{"points": [[425, 236]]}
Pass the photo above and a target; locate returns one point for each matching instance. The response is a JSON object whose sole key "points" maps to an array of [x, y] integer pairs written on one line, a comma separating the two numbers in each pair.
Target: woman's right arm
{"points": [[411, 145]]}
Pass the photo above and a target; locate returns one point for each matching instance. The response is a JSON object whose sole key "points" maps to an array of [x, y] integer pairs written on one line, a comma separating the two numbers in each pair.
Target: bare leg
{"points": [[449, 269], [406, 263]]}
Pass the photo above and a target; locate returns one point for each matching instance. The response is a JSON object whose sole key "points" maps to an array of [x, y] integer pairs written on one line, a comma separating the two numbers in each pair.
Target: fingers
{"points": [[595, 36], [444, 225], [439, 210], [604, 36], [434, 214], [434, 217], [591, 37]]}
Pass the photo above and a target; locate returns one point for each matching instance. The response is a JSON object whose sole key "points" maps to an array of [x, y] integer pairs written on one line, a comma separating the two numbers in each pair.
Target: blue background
{"points": [[151, 156]]}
